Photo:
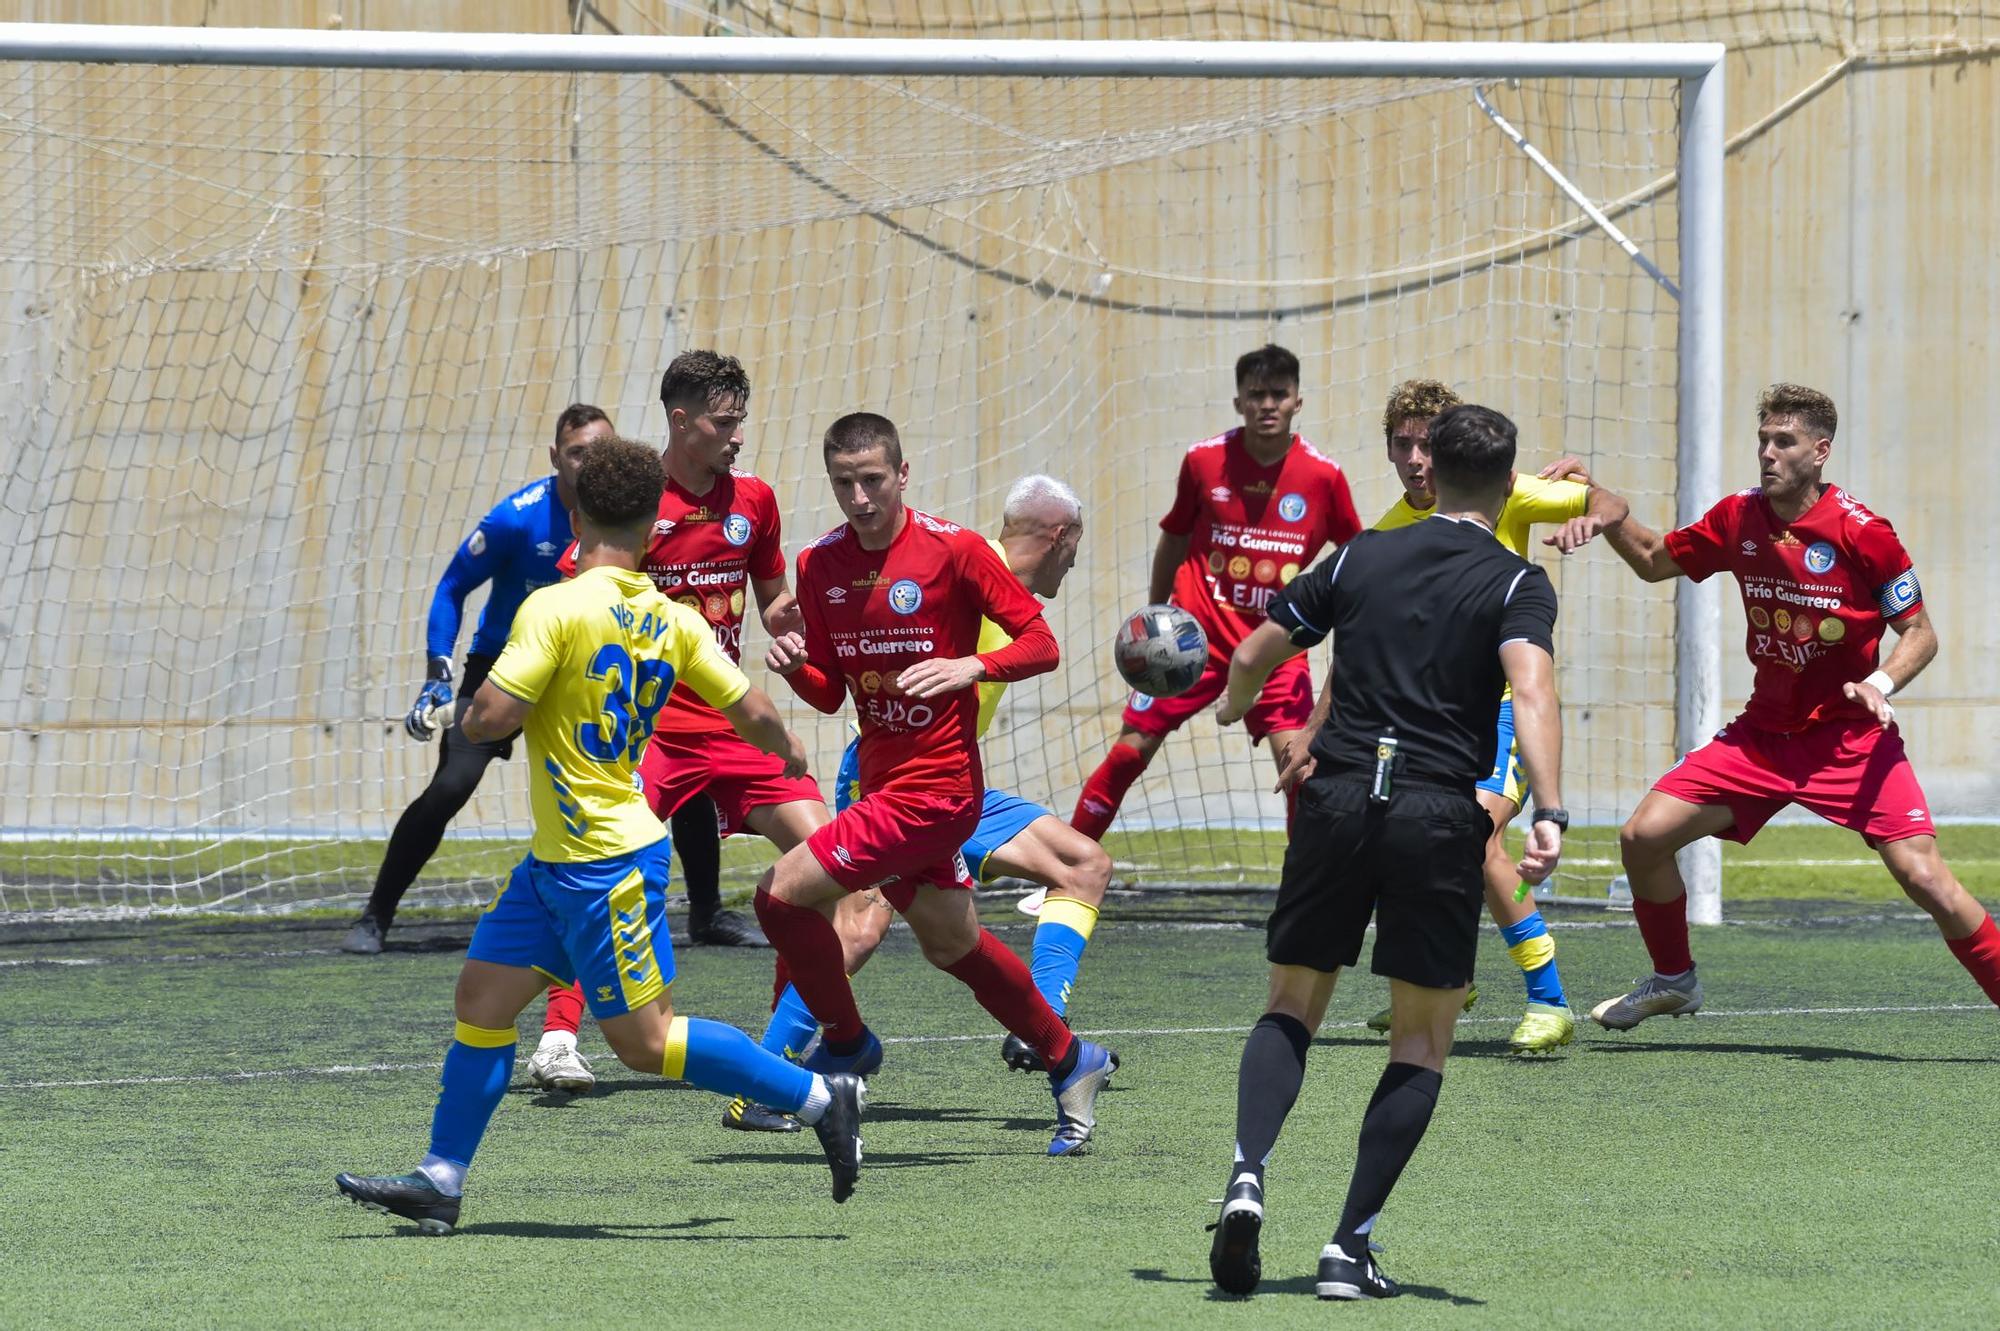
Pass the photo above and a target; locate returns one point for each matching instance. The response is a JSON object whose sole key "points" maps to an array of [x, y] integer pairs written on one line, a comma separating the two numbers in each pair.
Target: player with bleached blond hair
{"points": [[1822, 577]]}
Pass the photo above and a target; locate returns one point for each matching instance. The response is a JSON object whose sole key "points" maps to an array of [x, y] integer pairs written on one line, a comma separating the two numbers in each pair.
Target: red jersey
{"points": [[705, 550], [869, 614], [1251, 528], [1817, 591]]}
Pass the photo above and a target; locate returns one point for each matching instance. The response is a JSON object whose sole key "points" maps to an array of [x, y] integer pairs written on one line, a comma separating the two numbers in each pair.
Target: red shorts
{"points": [[898, 840], [1853, 773], [727, 768], [1285, 703]]}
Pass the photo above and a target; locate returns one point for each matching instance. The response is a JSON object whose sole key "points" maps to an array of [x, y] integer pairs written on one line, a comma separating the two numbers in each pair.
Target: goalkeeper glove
{"points": [[423, 722]]}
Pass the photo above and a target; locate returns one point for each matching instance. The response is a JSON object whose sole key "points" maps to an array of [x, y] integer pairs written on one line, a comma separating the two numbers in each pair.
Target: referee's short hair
{"points": [[1472, 448]]}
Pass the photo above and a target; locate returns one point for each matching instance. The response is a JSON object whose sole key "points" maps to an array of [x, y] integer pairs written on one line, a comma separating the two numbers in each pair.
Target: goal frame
{"points": [[1697, 67]]}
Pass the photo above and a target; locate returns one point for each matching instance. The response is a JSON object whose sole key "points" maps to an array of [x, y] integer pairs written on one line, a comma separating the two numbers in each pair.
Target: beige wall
{"points": [[277, 448]]}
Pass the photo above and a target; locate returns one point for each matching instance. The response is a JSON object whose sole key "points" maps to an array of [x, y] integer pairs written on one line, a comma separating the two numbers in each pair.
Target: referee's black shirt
{"points": [[1417, 616]]}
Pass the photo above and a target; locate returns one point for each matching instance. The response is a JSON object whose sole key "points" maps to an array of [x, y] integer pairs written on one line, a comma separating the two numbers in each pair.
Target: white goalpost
{"points": [[287, 311]]}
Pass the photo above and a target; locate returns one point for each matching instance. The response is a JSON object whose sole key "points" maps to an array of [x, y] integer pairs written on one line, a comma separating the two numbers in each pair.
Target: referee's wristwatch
{"points": [[1558, 816]]}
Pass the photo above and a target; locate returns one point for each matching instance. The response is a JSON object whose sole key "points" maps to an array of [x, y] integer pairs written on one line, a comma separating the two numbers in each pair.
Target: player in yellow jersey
{"points": [[1560, 492], [587, 667], [1041, 528]]}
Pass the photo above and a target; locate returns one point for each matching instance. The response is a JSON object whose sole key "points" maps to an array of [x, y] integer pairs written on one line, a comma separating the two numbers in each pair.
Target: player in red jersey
{"points": [[1821, 578], [715, 544], [1254, 506], [892, 601]]}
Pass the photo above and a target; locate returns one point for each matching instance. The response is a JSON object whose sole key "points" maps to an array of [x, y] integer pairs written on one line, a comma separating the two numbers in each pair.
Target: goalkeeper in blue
{"points": [[512, 551], [585, 671]]}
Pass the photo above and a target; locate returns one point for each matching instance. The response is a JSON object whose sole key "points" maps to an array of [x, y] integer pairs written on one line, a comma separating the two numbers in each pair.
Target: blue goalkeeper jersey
{"points": [[515, 547]]}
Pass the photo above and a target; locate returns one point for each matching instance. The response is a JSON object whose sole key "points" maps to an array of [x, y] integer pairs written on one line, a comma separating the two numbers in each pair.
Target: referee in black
{"points": [[1428, 623]]}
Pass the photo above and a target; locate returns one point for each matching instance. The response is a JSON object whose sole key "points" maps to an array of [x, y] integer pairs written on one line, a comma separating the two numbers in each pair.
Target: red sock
{"points": [[565, 1008], [1979, 952], [781, 975], [1105, 791], [1664, 927], [1001, 983], [810, 949]]}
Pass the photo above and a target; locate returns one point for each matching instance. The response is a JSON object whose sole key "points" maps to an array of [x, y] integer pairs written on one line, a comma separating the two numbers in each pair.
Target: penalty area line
{"points": [[376, 1069]]}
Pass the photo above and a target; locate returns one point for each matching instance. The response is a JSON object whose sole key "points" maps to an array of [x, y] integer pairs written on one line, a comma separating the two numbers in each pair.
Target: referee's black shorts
{"points": [[1414, 863]]}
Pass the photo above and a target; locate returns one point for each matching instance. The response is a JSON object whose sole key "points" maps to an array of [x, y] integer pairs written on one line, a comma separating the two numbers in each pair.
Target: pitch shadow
{"points": [[1802, 1053], [675, 1232], [872, 1161], [1460, 1049], [1295, 1285]]}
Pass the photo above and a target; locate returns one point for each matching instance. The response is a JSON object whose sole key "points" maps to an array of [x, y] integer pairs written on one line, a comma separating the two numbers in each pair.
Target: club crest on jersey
{"points": [[905, 596], [736, 529], [1292, 507], [1140, 702], [1819, 556], [475, 544]]}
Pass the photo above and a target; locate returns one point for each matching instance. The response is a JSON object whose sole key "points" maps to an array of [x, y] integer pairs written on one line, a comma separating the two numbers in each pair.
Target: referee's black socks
{"points": [[1398, 1113], [1267, 1085]]}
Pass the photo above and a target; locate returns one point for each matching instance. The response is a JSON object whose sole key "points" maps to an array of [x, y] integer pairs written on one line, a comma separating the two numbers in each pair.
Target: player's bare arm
{"points": [[1268, 647], [1538, 728], [756, 719], [1168, 556], [776, 605], [1296, 763], [1643, 549], [493, 715], [1916, 645], [1566, 468]]}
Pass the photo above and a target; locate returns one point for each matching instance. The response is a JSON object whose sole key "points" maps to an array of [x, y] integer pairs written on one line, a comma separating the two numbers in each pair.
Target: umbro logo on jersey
{"points": [[1916, 813], [663, 526], [846, 860], [1220, 494], [1749, 547], [836, 594], [545, 548]]}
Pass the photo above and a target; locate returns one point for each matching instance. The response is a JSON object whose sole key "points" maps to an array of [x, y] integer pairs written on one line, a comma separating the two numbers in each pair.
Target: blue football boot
{"points": [[863, 1062]]}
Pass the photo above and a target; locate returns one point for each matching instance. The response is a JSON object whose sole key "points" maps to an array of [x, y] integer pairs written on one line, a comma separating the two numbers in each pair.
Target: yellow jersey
{"points": [[991, 639], [1531, 501], [597, 657]]}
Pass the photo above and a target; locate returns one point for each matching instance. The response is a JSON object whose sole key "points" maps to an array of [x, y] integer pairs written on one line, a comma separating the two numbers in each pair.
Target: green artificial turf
{"points": [[1814, 1151]]}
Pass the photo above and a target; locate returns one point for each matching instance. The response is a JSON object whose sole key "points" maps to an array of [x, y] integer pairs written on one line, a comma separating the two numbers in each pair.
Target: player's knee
{"points": [[947, 945], [1088, 871], [1641, 845], [1924, 878], [638, 1054]]}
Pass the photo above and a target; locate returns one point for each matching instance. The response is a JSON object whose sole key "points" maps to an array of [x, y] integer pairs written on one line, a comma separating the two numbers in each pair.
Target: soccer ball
{"points": [[1161, 650]]}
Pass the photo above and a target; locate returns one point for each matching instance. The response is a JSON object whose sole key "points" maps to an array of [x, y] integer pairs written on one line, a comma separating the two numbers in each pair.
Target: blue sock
{"points": [[721, 1058], [1060, 938], [477, 1068], [1535, 953], [791, 1026]]}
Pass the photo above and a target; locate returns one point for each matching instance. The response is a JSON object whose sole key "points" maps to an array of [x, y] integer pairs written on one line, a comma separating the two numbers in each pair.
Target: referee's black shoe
{"points": [[1232, 1258], [725, 928], [1344, 1277], [411, 1196], [839, 1130]]}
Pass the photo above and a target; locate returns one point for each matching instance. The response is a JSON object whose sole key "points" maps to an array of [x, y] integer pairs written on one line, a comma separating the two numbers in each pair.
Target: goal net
{"points": [[274, 338]]}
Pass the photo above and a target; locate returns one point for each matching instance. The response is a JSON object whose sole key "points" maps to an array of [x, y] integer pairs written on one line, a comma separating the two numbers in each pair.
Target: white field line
{"points": [[372, 1069], [1620, 920]]}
